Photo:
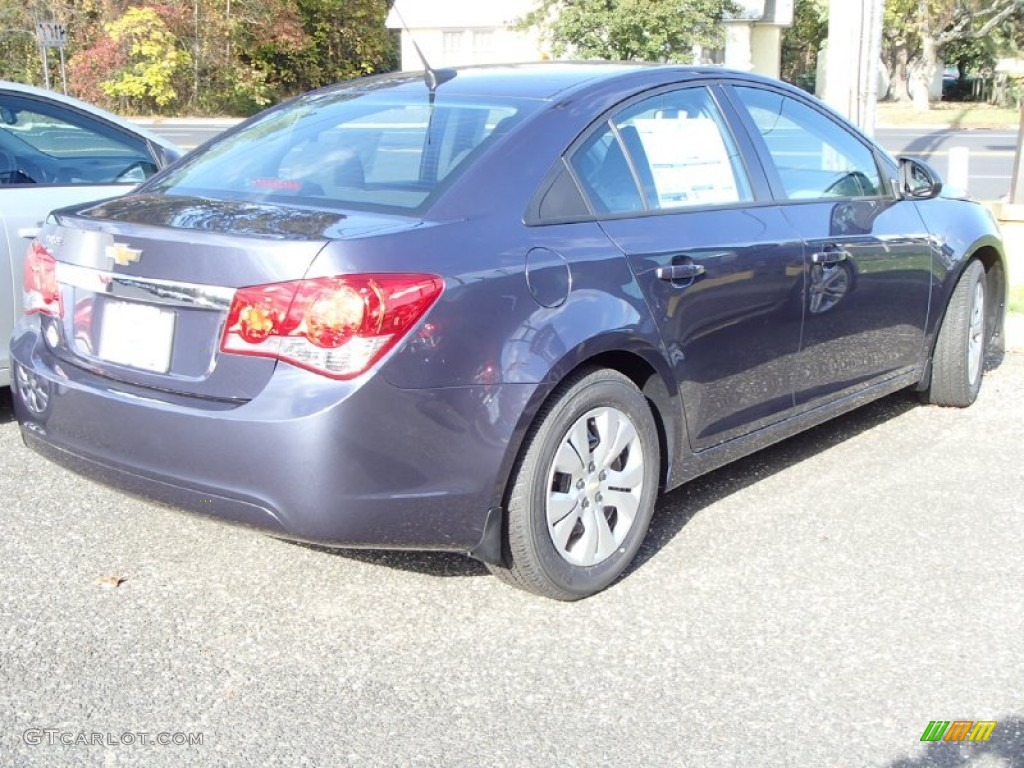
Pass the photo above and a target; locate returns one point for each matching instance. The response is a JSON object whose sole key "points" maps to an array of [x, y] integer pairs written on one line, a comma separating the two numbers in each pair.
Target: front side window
{"points": [[815, 157], [376, 150], [42, 143], [669, 151]]}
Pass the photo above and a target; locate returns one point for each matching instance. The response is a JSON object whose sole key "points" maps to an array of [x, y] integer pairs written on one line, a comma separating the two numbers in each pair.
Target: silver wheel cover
{"points": [[594, 486], [976, 335]]}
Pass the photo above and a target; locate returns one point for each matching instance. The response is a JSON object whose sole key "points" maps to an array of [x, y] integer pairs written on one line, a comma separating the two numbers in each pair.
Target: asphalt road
{"points": [[187, 134], [990, 165], [815, 605], [990, 154]]}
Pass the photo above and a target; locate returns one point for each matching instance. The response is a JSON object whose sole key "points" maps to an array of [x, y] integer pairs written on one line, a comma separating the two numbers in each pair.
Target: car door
{"points": [[52, 156], [868, 253], [715, 259]]}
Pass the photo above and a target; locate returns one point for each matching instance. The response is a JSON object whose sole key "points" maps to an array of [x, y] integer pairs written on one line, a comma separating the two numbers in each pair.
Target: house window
{"points": [[483, 41], [453, 42]]}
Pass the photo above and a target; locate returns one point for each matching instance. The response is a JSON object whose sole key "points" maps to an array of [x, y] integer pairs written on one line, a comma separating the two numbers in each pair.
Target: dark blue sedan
{"points": [[496, 310]]}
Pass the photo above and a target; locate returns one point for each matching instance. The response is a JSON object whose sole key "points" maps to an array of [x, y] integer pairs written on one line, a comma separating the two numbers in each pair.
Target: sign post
{"points": [[52, 34]]}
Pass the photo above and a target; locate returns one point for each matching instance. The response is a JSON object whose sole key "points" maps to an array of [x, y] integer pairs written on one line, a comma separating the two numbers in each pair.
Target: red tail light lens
{"points": [[336, 326], [42, 293]]}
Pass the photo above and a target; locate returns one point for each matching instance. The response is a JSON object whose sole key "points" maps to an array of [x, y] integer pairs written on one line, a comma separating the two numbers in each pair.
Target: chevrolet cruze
{"points": [[496, 310]]}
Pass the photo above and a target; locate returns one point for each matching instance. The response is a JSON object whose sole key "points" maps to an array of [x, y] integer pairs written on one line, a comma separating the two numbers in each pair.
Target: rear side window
{"points": [[373, 151], [670, 151], [815, 157], [45, 143]]}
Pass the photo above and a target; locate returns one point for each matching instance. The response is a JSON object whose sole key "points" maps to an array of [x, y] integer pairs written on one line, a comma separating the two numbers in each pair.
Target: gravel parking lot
{"points": [[815, 605]]}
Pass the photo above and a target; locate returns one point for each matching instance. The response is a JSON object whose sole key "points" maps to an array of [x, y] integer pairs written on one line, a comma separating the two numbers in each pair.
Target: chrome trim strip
{"points": [[146, 289]]}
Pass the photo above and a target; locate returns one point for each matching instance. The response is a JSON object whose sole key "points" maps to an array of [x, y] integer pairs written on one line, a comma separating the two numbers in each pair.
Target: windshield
{"points": [[383, 150]]}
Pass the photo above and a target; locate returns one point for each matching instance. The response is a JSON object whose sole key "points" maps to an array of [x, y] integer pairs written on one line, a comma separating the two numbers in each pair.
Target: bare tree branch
{"points": [[1001, 10]]}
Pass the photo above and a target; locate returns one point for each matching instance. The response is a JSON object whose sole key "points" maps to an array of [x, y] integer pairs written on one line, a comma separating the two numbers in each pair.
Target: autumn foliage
{"points": [[200, 56]]}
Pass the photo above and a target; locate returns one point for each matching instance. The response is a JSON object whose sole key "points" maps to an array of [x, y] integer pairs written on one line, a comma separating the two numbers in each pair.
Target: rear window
{"points": [[381, 151]]}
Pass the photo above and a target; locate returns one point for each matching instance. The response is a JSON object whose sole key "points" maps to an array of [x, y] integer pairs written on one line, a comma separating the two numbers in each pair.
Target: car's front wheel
{"points": [[584, 489], [959, 357]]}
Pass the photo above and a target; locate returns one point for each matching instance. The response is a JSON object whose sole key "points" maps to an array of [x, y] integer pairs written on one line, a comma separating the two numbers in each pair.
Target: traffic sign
{"points": [[51, 34]]}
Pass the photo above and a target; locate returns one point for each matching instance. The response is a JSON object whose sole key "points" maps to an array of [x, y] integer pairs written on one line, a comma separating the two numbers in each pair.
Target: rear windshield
{"points": [[382, 150]]}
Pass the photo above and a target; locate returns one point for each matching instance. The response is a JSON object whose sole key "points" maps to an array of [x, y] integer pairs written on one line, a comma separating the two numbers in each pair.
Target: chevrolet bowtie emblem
{"points": [[122, 254]]}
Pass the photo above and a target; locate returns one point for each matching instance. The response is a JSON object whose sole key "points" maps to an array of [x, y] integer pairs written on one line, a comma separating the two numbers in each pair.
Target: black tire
{"points": [[607, 507], [959, 358]]}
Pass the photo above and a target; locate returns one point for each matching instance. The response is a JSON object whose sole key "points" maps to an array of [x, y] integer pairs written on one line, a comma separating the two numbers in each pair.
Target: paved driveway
{"points": [[816, 605]]}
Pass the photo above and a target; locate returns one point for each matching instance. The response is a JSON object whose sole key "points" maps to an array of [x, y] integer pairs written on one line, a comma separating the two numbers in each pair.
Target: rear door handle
{"points": [[28, 232], [827, 258], [676, 272]]}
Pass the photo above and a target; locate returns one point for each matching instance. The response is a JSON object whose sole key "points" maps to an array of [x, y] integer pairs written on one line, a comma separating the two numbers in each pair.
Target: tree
{"points": [[221, 36], [19, 54], [630, 30], [90, 68], [154, 60], [342, 39], [802, 41], [200, 56], [900, 46], [920, 32]]}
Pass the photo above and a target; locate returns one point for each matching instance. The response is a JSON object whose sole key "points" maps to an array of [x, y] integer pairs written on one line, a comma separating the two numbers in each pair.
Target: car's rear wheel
{"points": [[959, 358], [583, 492]]}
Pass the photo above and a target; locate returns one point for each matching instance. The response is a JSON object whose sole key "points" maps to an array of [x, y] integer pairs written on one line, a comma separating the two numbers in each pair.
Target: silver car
{"points": [[57, 151]]}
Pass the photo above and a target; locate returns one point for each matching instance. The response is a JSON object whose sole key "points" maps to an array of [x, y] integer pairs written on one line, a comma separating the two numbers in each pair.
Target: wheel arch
{"points": [[989, 252], [996, 286], [643, 366]]}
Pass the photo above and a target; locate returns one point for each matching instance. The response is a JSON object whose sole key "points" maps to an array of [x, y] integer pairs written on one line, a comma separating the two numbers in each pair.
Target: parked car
{"points": [[498, 311], [57, 151]]}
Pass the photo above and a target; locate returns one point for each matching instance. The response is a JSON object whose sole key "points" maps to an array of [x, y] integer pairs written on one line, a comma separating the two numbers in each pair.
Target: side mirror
{"points": [[164, 156], [918, 181]]}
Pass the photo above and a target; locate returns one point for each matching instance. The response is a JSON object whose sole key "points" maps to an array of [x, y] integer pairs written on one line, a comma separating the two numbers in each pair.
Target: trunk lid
{"points": [[147, 280]]}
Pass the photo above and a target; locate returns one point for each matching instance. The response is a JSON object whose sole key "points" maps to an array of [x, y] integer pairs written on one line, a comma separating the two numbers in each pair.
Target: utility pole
{"points": [[854, 50], [1017, 186]]}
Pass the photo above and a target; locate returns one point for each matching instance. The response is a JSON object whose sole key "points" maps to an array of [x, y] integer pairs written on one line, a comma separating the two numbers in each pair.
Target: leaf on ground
{"points": [[111, 582]]}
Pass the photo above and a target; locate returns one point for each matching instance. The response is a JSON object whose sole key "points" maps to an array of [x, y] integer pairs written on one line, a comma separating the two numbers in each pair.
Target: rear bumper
{"points": [[165, 491], [335, 463]]}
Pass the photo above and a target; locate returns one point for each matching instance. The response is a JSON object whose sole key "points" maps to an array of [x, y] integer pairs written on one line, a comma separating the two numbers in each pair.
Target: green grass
{"points": [[959, 114], [1017, 299]]}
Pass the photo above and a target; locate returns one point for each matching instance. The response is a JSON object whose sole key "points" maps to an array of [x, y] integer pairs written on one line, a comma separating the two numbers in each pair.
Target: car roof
{"points": [[538, 80], [82, 106]]}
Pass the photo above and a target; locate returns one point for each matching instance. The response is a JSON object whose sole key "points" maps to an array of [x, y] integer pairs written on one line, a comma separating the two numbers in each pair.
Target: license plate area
{"points": [[137, 335]]}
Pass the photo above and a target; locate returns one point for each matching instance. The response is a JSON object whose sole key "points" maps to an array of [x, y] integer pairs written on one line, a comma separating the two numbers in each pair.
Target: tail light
{"points": [[336, 326], [42, 293]]}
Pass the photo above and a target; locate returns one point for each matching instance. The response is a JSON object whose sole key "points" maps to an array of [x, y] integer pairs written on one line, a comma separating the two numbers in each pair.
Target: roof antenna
{"points": [[432, 77]]}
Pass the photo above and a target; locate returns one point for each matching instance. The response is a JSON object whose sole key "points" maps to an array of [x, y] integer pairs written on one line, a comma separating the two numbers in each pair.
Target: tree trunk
{"points": [[899, 77], [924, 73]]}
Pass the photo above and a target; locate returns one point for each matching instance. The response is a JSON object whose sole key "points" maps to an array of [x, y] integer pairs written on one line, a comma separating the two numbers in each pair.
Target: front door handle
{"points": [[680, 272], [828, 258]]}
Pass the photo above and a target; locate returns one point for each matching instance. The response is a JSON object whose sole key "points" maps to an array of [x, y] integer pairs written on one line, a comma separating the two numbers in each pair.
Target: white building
{"points": [[753, 36], [460, 32]]}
